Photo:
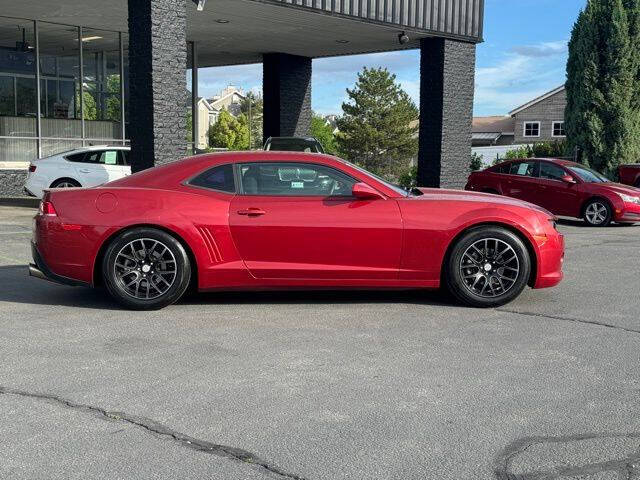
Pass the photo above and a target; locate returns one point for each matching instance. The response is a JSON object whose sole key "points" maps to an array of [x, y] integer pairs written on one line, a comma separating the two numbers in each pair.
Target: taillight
{"points": [[32, 168], [47, 208]]}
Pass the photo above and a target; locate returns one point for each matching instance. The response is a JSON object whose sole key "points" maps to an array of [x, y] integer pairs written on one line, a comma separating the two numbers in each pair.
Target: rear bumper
{"points": [[39, 269]]}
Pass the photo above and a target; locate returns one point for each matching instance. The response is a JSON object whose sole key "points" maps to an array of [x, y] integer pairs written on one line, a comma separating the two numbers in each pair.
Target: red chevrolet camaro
{"points": [[562, 187], [279, 220]]}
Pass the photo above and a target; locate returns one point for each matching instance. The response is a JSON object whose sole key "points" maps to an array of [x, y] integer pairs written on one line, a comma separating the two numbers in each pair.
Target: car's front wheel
{"points": [[488, 267], [597, 213], [146, 269]]}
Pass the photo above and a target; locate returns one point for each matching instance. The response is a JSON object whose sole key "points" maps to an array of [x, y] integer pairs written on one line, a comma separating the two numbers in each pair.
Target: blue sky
{"points": [[524, 55]]}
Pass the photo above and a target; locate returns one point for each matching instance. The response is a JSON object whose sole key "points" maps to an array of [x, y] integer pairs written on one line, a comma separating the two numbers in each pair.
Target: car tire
{"points": [[597, 213], [487, 267], [65, 183], [146, 269]]}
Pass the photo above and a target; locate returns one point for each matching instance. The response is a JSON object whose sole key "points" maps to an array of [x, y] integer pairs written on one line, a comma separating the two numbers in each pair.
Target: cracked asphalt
{"points": [[324, 385]]}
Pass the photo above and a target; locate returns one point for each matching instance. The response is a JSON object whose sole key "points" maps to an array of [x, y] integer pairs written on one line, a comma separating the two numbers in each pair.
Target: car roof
{"points": [[559, 161]]}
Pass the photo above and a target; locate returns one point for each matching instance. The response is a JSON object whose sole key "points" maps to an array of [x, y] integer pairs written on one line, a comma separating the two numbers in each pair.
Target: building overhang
{"points": [[240, 31]]}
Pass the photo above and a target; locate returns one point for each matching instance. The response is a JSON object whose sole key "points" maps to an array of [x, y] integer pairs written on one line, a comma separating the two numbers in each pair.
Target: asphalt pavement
{"points": [[324, 385]]}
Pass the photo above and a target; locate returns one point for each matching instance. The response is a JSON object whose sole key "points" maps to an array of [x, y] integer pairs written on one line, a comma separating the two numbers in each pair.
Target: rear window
{"points": [[294, 145], [216, 178]]}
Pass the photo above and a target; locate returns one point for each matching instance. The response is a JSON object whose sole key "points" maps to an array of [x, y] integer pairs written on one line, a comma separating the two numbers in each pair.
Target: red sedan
{"points": [[564, 188], [279, 220]]}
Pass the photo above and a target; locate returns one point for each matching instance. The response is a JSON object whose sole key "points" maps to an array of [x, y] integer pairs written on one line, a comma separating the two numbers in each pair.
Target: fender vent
{"points": [[210, 242]]}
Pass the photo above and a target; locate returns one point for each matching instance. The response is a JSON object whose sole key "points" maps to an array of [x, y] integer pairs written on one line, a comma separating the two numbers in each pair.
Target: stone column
{"points": [[447, 72], [157, 81], [287, 95]]}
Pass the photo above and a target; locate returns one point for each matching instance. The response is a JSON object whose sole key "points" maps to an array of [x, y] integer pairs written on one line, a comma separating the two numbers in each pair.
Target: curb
{"points": [[28, 202]]}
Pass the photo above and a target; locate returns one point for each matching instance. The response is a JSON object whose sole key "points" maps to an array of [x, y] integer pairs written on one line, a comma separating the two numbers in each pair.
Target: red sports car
{"points": [[564, 188], [277, 220]]}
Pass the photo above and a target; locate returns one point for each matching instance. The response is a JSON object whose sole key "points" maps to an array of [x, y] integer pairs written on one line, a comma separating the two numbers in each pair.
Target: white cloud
{"points": [[519, 77]]}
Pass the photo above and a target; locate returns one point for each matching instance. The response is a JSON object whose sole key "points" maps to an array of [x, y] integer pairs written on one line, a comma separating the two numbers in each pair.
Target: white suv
{"points": [[83, 167]]}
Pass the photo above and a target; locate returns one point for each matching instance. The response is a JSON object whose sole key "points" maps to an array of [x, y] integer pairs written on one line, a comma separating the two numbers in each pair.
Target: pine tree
{"points": [[603, 77], [379, 125]]}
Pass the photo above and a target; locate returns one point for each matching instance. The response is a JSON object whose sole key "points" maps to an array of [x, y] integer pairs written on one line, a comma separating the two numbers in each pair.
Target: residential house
{"points": [[209, 110], [491, 131], [541, 119]]}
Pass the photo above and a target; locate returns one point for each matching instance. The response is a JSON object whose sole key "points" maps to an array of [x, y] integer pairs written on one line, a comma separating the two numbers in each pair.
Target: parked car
{"points": [[256, 220], [82, 167], [563, 187], [630, 174], [293, 144]]}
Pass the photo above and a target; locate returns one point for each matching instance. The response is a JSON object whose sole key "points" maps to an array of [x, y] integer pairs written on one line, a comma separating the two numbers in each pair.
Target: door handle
{"points": [[252, 212], [82, 170]]}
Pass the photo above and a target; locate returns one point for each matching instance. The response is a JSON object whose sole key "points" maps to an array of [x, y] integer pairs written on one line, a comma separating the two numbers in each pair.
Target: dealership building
{"points": [[86, 72]]}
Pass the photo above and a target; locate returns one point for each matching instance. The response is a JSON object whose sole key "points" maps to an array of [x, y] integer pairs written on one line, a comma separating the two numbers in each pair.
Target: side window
{"points": [[76, 157], [124, 157], [550, 171], [524, 169], [294, 179], [216, 178], [109, 157], [504, 168]]}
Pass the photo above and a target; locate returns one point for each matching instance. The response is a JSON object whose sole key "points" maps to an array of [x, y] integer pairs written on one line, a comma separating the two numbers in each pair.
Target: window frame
{"points": [[536, 168], [240, 186], [553, 129], [187, 182], [531, 122], [541, 162]]}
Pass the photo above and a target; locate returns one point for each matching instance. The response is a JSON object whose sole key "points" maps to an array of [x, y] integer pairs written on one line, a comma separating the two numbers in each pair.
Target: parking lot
{"points": [[324, 385]]}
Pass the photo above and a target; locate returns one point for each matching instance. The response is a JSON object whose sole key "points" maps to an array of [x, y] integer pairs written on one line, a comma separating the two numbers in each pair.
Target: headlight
{"points": [[629, 199]]}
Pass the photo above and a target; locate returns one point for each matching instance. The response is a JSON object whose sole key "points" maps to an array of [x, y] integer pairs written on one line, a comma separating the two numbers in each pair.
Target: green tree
{"points": [[113, 100], [379, 125], [257, 109], [229, 132], [603, 79], [476, 162], [323, 132]]}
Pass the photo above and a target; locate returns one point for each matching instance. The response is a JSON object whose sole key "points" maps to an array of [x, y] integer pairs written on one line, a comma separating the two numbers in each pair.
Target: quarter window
{"points": [[531, 129], [294, 179], [216, 178], [558, 129]]}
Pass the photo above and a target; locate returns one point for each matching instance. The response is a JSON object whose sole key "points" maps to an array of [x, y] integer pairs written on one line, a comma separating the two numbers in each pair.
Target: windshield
{"points": [[396, 188], [588, 175]]}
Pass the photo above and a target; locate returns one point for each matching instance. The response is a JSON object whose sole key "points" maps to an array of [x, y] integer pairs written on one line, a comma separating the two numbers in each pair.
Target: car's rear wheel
{"points": [[146, 269], [488, 267], [597, 213], [65, 183]]}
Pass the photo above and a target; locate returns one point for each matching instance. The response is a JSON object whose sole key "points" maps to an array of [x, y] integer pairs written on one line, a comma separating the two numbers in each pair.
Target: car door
{"points": [[300, 221], [556, 195], [521, 181], [89, 170]]}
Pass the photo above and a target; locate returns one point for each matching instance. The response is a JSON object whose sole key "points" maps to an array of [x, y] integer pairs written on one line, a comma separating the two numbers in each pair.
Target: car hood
{"points": [[466, 196], [613, 187]]}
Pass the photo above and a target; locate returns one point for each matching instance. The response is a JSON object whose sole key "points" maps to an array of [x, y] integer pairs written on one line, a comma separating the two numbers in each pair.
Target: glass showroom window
{"points": [[101, 84], [18, 92]]}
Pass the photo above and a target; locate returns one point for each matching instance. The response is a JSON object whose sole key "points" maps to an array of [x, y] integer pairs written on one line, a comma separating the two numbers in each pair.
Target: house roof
{"points": [[503, 125], [536, 100], [486, 136]]}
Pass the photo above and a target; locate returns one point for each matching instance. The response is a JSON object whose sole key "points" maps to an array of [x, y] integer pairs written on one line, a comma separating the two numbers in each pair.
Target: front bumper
{"points": [[550, 262], [39, 269]]}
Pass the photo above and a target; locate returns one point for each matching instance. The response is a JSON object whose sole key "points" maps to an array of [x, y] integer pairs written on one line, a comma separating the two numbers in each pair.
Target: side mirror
{"points": [[362, 191], [568, 179]]}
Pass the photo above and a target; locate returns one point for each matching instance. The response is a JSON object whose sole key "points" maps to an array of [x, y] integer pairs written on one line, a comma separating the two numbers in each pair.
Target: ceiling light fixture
{"points": [[88, 39], [342, 41], [222, 20]]}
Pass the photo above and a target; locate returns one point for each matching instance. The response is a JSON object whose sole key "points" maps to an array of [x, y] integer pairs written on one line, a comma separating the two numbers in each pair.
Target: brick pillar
{"points": [[157, 81], [287, 95], [447, 71]]}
